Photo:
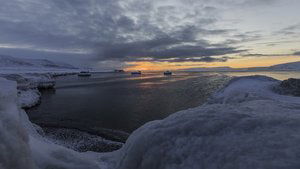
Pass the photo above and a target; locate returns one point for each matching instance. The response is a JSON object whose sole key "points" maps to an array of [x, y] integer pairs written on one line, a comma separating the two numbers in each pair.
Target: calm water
{"points": [[121, 101], [124, 102]]}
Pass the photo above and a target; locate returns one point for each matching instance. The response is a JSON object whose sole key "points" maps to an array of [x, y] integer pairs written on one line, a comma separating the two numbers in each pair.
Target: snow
{"points": [[245, 125], [243, 89]]}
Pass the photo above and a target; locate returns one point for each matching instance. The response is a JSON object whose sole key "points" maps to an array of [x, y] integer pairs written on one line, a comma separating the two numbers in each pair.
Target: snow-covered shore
{"points": [[245, 125], [29, 84]]}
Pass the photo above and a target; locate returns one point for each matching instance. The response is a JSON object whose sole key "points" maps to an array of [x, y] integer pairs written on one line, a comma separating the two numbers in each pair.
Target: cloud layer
{"points": [[131, 30]]}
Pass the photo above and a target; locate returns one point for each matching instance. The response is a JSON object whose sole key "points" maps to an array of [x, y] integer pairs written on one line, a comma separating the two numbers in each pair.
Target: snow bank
{"points": [[22, 147], [14, 140], [241, 89], [246, 125]]}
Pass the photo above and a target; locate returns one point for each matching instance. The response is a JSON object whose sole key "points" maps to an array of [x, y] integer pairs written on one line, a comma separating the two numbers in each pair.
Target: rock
{"points": [[290, 87]]}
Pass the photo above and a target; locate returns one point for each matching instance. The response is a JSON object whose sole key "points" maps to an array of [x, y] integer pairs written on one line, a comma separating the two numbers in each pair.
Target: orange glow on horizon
{"points": [[234, 63]]}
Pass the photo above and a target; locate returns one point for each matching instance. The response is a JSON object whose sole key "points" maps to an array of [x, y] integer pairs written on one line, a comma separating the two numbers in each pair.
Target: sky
{"points": [[152, 34]]}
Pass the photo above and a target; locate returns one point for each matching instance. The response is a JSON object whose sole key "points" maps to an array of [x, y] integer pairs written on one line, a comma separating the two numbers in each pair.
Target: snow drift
{"points": [[245, 125]]}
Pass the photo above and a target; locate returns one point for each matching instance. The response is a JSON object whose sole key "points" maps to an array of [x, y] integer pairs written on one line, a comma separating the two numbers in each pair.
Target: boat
{"points": [[136, 73], [167, 73], [119, 71], [84, 73]]}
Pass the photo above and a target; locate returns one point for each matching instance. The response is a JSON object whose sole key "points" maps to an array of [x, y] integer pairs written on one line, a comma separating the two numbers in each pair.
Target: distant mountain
{"points": [[211, 69], [292, 66], [286, 66], [10, 62]]}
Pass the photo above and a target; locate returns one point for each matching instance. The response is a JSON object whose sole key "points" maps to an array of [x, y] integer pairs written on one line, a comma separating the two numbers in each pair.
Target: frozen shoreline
{"points": [[30, 84], [29, 87], [244, 125]]}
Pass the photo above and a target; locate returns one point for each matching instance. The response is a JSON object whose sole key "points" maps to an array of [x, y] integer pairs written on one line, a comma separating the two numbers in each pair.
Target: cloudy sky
{"points": [[152, 34]]}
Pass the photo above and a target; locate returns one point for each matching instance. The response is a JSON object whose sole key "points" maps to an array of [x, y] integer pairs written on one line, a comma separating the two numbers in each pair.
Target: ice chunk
{"points": [[28, 98]]}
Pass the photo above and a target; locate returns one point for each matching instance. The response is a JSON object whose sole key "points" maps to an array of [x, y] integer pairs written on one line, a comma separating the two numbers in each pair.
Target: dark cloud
{"points": [[163, 48], [202, 59]]}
